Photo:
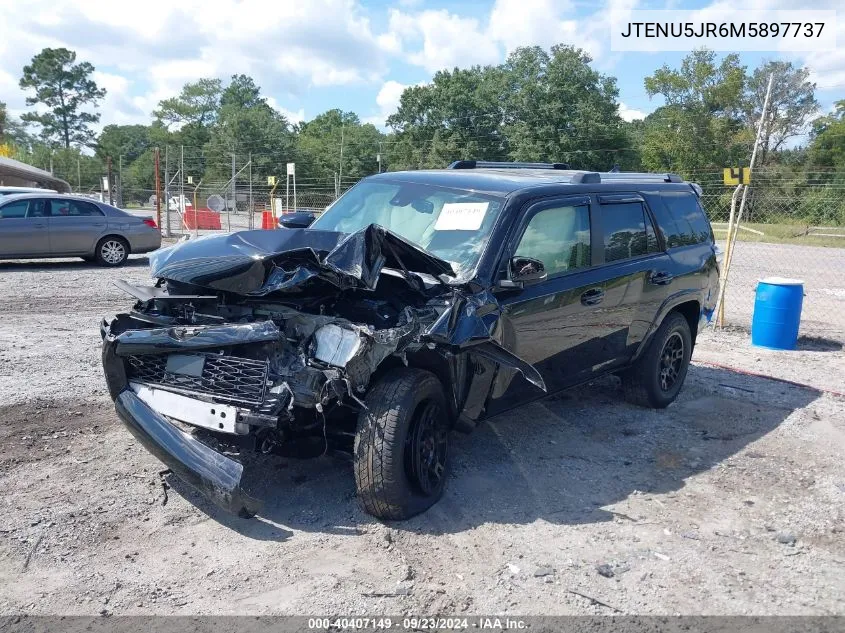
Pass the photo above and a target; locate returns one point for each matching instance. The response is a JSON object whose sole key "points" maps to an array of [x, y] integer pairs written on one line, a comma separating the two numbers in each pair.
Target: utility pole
{"points": [[234, 199], [340, 162], [378, 157], [120, 180], [251, 208], [78, 177], [166, 192], [108, 170], [158, 188], [182, 180], [733, 230]]}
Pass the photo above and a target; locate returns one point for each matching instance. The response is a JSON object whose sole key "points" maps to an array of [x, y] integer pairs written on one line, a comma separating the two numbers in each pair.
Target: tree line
{"points": [[538, 105]]}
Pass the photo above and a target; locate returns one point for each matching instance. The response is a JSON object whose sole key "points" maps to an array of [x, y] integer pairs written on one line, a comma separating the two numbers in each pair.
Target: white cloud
{"points": [[293, 116], [524, 22], [389, 95], [387, 100], [630, 114], [440, 39], [147, 51], [448, 40]]}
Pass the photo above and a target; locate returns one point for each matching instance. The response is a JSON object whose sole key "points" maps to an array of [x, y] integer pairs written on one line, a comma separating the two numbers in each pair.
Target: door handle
{"points": [[660, 278], [592, 297], [39, 226]]}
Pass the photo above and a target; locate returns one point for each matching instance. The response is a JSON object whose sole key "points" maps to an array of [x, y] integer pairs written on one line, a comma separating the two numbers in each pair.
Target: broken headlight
{"points": [[336, 345]]}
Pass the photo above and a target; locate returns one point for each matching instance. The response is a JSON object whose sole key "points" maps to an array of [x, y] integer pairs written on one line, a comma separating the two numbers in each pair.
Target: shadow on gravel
{"points": [[50, 265], [563, 459], [818, 344]]}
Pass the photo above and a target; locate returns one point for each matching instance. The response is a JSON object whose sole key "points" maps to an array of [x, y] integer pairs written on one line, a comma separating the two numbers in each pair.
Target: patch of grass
{"points": [[785, 234]]}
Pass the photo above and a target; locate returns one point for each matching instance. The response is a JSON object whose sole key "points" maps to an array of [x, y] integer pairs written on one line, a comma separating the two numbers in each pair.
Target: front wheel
{"points": [[657, 377], [402, 445], [112, 251]]}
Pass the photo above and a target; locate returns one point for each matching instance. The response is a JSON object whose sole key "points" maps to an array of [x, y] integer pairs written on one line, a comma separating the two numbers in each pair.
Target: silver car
{"points": [[57, 225]]}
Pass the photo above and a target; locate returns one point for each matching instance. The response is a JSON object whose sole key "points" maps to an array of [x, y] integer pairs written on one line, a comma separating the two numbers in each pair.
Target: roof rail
{"points": [[489, 164], [640, 176]]}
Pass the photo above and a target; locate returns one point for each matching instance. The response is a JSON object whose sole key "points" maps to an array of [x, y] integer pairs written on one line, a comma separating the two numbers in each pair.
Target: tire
{"points": [[112, 251], [402, 445], [657, 377]]}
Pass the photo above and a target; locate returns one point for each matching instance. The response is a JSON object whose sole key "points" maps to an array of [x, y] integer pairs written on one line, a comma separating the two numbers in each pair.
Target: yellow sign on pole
{"points": [[190, 180], [271, 180], [737, 175]]}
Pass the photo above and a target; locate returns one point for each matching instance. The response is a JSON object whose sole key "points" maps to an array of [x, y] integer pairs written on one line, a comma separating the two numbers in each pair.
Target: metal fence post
{"points": [[251, 210]]}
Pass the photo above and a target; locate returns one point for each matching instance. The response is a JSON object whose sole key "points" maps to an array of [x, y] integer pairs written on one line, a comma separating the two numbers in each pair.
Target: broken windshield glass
{"points": [[450, 224]]}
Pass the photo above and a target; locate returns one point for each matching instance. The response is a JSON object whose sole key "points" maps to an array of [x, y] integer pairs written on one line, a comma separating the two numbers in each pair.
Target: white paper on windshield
{"points": [[461, 216]]}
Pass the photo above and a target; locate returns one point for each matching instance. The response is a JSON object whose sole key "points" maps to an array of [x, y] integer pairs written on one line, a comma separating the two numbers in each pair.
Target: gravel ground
{"points": [[728, 502]]}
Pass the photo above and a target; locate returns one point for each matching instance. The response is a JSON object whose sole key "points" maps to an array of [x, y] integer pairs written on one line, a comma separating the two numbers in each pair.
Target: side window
{"points": [[559, 237], [692, 224], [627, 231], [14, 209], [37, 209], [73, 208]]}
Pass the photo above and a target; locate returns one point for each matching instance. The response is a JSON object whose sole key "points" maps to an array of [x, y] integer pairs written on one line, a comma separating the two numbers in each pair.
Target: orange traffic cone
{"points": [[267, 220]]}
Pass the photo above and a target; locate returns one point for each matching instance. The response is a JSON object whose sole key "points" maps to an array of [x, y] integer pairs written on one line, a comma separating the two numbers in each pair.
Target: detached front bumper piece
{"points": [[211, 473]]}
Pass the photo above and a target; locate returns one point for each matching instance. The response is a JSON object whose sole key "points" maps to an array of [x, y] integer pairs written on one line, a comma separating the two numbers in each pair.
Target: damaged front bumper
{"points": [[211, 473]]}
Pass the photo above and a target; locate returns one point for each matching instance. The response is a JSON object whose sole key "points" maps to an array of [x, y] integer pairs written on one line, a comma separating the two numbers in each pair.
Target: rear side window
{"points": [[14, 210], [559, 237], [689, 224], [72, 208], [24, 209], [627, 231]]}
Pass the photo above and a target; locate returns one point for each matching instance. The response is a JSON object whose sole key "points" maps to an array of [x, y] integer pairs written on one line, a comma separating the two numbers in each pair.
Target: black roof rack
{"points": [[489, 164], [574, 176], [637, 176]]}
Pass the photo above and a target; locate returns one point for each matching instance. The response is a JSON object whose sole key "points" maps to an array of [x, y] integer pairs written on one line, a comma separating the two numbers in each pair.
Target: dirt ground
{"points": [[731, 501]]}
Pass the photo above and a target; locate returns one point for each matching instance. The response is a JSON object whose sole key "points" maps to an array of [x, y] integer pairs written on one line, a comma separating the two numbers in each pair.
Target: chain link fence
{"points": [[793, 226]]}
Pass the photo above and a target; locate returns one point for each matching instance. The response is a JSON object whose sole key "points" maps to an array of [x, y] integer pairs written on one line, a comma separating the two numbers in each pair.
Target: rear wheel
{"points": [[112, 251], [657, 377], [402, 445]]}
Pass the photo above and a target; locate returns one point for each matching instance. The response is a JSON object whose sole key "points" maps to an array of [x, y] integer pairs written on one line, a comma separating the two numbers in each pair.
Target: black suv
{"points": [[418, 303]]}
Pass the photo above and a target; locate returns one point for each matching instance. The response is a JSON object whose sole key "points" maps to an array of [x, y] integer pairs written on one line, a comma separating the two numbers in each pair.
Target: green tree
{"points": [[319, 147], [791, 105], [187, 118], [64, 87], [129, 141], [537, 106], [827, 142], [197, 104], [12, 132], [246, 125], [557, 108], [701, 125], [456, 116]]}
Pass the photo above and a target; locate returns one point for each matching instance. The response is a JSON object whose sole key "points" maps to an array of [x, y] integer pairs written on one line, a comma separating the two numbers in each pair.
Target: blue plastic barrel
{"points": [[777, 313]]}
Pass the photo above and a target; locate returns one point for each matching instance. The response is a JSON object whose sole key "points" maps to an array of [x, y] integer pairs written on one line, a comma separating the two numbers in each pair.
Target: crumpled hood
{"points": [[286, 260]]}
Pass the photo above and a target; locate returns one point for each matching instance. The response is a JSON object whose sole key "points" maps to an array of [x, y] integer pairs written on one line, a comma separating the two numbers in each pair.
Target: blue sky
{"points": [[312, 55]]}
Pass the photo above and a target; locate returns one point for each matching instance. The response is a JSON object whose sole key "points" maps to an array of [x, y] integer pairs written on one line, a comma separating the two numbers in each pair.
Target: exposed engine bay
{"points": [[273, 335]]}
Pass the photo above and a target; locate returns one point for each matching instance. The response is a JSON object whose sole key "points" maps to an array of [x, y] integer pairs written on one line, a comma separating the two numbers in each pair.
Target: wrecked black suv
{"points": [[418, 303]]}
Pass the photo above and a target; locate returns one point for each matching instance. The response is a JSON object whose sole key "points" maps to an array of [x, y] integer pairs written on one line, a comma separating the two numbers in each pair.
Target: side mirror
{"points": [[524, 271], [300, 220]]}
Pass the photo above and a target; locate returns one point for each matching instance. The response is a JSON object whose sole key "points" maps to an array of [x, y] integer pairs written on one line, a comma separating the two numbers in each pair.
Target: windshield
{"points": [[453, 225]]}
